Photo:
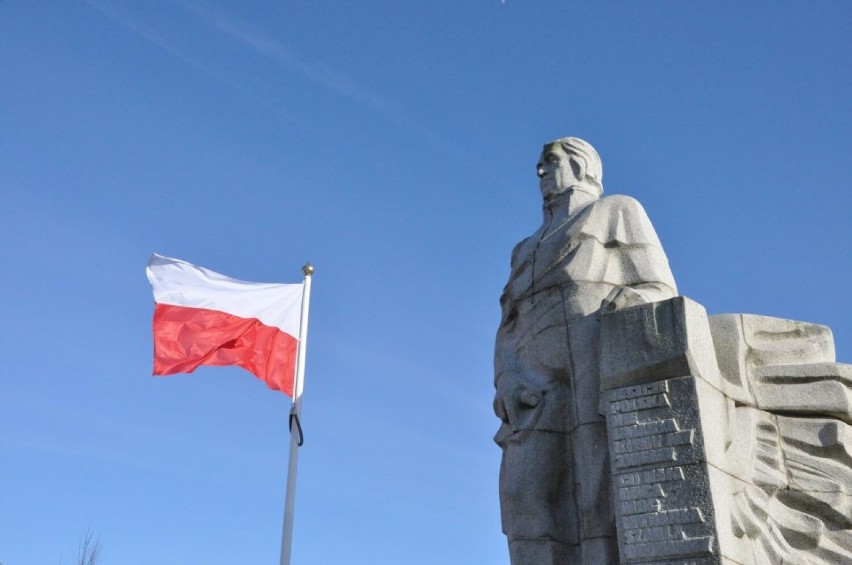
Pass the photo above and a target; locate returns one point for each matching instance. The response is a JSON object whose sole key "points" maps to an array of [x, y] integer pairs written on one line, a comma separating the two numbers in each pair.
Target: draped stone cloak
{"points": [[560, 274]]}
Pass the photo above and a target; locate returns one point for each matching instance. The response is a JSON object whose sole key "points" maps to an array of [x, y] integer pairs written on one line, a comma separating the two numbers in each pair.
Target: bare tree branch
{"points": [[89, 549]]}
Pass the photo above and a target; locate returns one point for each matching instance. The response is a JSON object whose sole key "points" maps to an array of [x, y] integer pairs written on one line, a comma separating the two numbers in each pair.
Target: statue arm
{"points": [[633, 295], [502, 359], [650, 278]]}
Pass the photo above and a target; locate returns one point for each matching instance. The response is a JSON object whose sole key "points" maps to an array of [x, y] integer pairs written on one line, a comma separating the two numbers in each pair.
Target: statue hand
{"points": [[518, 404], [507, 404], [619, 298]]}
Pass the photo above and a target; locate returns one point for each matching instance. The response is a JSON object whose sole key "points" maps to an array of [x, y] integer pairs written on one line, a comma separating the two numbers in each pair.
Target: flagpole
{"points": [[296, 414]]}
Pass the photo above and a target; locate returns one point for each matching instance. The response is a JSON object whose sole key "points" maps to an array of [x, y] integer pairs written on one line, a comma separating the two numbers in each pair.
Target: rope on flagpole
{"points": [[293, 417]]}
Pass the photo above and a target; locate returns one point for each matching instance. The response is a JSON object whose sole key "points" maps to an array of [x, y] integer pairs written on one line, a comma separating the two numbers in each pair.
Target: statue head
{"points": [[569, 163]]}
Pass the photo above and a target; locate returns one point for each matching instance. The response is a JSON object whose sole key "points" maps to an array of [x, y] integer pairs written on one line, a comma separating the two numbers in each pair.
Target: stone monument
{"points": [[635, 428]]}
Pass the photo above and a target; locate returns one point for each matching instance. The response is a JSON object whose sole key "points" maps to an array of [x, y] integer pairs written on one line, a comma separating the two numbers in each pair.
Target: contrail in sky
{"points": [[259, 42], [315, 71], [276, 51], [148, 33]]}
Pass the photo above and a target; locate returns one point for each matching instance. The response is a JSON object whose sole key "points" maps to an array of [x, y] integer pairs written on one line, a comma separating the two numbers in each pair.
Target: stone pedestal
{"points": [[751, 466]]}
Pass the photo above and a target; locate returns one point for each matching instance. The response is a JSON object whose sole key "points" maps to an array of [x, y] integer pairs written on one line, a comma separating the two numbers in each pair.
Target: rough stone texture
{"points": [[744, 341], [790, 447], [590, 254], [635, 428], [664, 503], [665, 429], [664, 338], [764, 448]]}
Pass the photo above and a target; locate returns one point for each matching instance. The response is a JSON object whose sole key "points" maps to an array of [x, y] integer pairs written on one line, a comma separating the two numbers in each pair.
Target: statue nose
{"points": [[539, 170]]}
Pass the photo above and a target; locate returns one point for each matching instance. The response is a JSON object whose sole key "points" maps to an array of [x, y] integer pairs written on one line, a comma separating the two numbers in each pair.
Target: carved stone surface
{"points": [[664, 434], [764, 448], [635, 428], [589, 254], [791, 447]]}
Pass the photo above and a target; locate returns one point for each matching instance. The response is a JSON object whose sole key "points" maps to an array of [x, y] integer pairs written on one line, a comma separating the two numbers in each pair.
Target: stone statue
{"points": [[590, 255], [638, 430]]}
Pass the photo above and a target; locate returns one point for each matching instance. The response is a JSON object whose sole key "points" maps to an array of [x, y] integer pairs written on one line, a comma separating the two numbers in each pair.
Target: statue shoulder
{"points": [[620, 218], [620, 204]]}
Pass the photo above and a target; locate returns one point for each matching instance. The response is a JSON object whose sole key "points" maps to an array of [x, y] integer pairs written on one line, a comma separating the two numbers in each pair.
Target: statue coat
{"points": [[554, 475]]}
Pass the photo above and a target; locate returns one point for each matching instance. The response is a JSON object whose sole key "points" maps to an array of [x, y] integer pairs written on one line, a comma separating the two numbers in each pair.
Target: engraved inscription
{"points": [[642, 491], [643, 427], [651, 476], [659, 533], [665, 517], [627, 431], [670, 548], [650, 442], [664, 455], [641, 403], [641, 390], [640, 506], [645, 443]]}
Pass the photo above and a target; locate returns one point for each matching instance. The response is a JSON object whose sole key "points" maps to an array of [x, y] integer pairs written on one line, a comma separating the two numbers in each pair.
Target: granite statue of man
{"points": [[590, 255]]}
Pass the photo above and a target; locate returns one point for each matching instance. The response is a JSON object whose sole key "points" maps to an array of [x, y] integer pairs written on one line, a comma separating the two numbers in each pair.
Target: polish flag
{"points": [[204, 318]]}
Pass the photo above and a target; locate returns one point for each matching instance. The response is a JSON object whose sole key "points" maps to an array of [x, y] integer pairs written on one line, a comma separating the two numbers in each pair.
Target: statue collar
{"points": [[570, 202]]}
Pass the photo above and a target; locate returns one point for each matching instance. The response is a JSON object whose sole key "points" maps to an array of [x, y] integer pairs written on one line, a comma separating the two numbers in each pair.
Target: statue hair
{"points": [[583, 150]]}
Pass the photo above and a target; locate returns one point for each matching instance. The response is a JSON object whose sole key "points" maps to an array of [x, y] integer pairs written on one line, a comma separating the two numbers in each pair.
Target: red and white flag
{"points": [[204, 318]]}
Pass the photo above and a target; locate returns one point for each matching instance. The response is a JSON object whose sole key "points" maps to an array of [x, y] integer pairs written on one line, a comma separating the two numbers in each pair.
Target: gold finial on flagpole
{"points": [[308, 269]]}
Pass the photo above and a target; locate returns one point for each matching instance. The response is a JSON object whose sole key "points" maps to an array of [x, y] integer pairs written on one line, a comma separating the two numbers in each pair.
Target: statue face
{"points": [[554, 171]]}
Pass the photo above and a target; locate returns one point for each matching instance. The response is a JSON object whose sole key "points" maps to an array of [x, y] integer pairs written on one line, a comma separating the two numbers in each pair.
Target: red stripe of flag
{"points": [[185, 338]]}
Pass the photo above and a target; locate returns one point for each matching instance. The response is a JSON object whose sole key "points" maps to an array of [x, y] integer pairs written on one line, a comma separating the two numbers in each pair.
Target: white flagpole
{"points": [[296, 413]]}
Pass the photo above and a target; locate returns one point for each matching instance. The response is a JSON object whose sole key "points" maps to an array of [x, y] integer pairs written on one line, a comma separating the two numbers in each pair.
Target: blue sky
{"points": [[393, 145]]}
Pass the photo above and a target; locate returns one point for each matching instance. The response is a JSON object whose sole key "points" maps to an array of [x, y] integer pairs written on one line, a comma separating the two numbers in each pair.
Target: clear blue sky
{"points": [[393, 145]]}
